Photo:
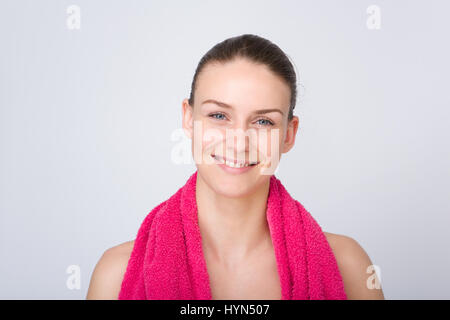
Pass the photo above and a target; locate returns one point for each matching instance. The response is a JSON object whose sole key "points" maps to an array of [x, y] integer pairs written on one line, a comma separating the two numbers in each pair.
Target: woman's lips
{"points": [[225, 160], [232, 170]]}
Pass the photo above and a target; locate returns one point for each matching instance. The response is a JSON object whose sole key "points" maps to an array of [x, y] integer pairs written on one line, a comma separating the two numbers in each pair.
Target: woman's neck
{"points": [[232, 228]]}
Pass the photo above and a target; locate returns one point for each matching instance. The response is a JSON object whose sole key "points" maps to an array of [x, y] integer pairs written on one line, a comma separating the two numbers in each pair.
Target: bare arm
{"points": [[108, 274], [353, 262]]}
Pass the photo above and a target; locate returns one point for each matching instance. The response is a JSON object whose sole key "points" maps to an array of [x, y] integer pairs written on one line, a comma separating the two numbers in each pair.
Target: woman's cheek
{"points": [[200, 141], [269, 143], [211, 142]]}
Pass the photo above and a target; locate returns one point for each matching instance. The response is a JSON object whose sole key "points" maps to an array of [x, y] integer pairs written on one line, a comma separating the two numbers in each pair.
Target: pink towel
{"points": [[167, 261]]}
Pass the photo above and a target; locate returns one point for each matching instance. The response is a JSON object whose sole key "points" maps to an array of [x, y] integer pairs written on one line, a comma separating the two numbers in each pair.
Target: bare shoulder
{"points": [[353, 262], [108, 274]]}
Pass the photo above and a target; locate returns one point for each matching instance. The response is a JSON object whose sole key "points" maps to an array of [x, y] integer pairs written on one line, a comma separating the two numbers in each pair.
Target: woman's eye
{"points": [[221, 116], [268, 122], [213, 115]]}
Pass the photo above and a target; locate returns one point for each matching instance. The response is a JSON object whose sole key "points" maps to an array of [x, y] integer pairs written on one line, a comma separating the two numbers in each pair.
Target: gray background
{"points": [[87, 116]]}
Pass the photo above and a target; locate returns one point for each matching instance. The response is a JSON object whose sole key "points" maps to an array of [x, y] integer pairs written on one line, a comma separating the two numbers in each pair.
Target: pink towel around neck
{"points": [[167, 261]]}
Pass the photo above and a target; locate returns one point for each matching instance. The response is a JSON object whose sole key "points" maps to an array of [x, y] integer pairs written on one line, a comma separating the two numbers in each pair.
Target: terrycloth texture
{"points": [[167, 261]]}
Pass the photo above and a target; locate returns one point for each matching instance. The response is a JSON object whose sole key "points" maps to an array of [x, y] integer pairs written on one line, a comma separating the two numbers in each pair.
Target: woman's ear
{"points": [[187, 118], [291, 133]]}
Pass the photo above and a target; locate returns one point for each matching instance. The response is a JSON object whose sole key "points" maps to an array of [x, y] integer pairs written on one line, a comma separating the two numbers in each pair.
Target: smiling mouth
{"points": [[234, 163]]}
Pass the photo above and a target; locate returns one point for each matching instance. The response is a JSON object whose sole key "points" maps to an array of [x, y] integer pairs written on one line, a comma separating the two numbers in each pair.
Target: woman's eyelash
{"points": [[269, 123], [212, 115]]}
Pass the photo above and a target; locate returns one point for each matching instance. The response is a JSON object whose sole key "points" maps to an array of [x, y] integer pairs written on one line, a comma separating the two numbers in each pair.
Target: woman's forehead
{"points": [[243, 84]]}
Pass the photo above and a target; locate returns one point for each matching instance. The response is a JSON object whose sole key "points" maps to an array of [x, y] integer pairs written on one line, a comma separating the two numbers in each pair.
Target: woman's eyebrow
{"points": [[225, 105]]}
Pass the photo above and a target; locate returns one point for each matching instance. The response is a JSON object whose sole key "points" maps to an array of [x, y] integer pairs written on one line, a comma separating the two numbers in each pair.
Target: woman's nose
{"points": [[240, 138]]}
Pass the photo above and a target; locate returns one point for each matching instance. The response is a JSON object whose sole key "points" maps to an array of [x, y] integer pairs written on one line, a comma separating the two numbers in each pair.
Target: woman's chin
{"points": [[229, 184], [232, 191]]}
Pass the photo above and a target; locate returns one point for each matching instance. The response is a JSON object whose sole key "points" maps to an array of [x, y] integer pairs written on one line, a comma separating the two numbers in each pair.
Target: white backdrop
{"points": [[87, 117]]}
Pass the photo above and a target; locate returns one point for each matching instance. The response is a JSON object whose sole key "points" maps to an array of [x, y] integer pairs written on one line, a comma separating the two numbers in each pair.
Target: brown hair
{"points": [[257, 49]]}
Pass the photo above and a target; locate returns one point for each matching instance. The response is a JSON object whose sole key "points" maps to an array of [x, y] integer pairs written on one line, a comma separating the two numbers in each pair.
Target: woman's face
{"points": [[240, 114]]}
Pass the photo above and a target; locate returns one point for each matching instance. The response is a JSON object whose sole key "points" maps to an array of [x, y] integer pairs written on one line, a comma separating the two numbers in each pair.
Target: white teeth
{"points": [[232, 164], [235, 165]]}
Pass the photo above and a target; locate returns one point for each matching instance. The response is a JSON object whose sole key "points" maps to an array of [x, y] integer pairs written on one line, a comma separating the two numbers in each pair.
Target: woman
{"points": [[243, 83]]}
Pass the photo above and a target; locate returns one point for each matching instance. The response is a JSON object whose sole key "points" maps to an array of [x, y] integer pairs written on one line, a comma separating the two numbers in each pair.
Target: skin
{"points": [[231, 208]]}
